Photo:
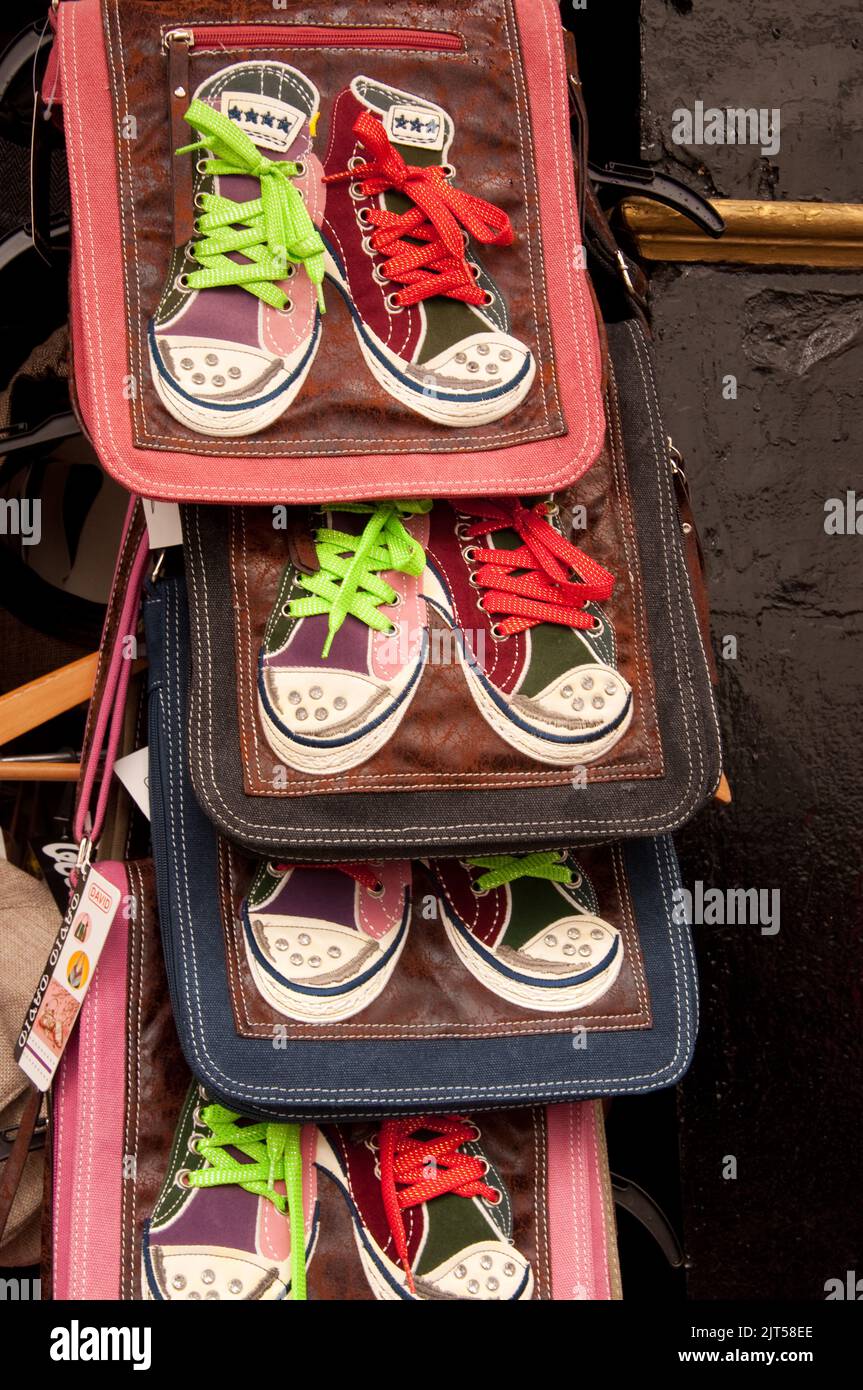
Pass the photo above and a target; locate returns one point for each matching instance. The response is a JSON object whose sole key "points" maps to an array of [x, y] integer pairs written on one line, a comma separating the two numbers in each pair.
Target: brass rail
{"points": [[825, 235]]}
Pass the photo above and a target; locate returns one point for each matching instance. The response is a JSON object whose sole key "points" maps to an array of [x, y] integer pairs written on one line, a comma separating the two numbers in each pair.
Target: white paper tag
{"points": [[134, 772], [66, 978], [415, 125], [163, 523], [268, 122]]}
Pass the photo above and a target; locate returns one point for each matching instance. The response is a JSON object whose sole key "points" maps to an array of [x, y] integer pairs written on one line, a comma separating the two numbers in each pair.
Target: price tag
{"points": [[67, 976]]}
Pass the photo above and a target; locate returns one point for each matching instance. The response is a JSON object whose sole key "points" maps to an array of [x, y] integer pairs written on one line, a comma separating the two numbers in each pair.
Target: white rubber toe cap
{"points": [[321, 704], [484, 362], [589, 698], [218, 373], [197, 1274], [311, 953], [574, 944], [485, 1272]]}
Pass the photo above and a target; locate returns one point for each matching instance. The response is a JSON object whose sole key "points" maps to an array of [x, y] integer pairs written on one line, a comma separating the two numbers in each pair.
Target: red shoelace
{"points": [[413, 1171], [435, 261], [533, 583], [363, 873]]}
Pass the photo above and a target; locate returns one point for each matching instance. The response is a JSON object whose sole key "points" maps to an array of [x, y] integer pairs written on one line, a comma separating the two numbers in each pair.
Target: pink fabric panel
{"points": [[99, 329], [577, 1221], [88, 1138]]}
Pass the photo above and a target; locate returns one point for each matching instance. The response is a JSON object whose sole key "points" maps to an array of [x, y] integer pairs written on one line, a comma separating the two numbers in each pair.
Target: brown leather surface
{"points": [[431, 994], [515, 1143], [443, 741], [479, 87], [157, 1077]]}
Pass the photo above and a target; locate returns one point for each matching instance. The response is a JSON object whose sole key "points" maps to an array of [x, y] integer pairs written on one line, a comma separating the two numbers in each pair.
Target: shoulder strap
{"points": [[105, 717]]}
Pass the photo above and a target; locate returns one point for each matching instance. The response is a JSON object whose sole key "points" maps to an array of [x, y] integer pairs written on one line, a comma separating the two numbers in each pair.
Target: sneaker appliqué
{"points": [[236, 1218], [429, 320], [528, 927], [239, 324], [538, 651], [344, 649], [322, 940]]}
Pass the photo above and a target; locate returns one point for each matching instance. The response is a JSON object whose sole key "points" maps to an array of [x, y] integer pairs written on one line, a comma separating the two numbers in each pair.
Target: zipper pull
{"points": [[694, 553], [178, 44]]}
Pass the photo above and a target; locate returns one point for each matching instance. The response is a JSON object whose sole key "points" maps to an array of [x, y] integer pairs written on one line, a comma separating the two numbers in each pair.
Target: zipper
{"points": [[693, 553], [179, 43], [311, 36]]}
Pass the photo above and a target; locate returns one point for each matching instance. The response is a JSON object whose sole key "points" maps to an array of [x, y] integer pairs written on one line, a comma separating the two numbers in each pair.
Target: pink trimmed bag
{"points": [[395, 182]]}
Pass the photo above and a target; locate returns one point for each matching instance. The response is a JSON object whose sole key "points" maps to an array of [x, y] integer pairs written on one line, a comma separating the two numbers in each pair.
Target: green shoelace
{"points": [[348, 579], [271, 231], [274, 1151], [506, 868]]}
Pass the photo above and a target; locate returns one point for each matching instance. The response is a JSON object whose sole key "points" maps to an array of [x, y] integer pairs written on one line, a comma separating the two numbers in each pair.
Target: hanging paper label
{"points": [[67, 976]]}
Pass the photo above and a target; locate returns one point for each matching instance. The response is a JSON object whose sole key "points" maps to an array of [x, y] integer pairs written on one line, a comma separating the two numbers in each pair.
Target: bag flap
{"points": [[436, 398]]}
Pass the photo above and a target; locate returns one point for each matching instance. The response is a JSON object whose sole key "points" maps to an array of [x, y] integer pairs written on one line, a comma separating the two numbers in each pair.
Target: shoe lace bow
{"points": [[270, 232], [433, 260], [532, 583]]}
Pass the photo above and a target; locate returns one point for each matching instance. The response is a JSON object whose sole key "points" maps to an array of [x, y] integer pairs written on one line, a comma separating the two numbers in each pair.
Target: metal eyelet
{"points": [[366, 244], [181, 1178], [379, 277], [356, 192], [378, 891], [475, 270], [363, 217], [301, 169], [473, 580], [448, 171], [480, 605], [479, 892], [496, 634], [192, 1144], [181, 283], [291, 271], [397, 601], [200, 166], [197, 1116], [498, 1196], [198, 200], [488, 300], [356, 161], [289, 307], [392, 303], [598, 626], [462, 530], [576, 881]]}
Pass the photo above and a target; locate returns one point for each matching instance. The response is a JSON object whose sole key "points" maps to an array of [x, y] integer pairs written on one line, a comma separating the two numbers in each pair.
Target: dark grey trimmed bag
{"points": [[446, 780]]}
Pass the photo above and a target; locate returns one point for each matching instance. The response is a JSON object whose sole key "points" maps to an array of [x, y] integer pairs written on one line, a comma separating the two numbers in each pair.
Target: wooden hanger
{"points": [[35, 703]]}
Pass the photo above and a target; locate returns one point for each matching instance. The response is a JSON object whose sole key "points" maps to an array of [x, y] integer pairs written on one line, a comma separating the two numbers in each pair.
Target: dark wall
{"points": [[779, 1069]]}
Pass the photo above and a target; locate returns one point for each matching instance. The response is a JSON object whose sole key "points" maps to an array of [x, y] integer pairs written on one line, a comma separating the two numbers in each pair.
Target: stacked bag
{"points": [[429, 678]]}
